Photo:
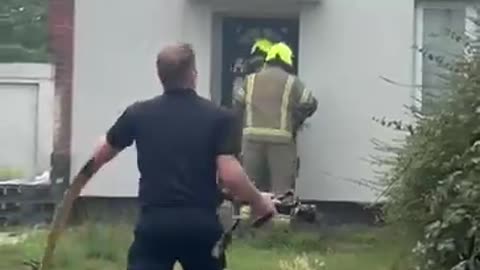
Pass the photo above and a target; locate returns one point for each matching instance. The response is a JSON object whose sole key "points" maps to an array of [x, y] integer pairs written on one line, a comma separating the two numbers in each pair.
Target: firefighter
{"points": [[274, 104]]}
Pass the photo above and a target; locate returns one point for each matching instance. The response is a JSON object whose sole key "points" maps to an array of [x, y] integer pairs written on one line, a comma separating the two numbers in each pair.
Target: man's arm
{"points": [[308, 103], [239, 103], [305, 103], [102, 155], [239, 95], [119, 136]]}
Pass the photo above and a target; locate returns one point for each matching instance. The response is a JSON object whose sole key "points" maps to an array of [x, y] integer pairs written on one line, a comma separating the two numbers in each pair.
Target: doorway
{"points": [[238, 36]]}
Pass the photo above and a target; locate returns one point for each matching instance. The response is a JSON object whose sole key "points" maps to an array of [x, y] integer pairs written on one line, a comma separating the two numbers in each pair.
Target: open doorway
{"points": [[239, 34]]}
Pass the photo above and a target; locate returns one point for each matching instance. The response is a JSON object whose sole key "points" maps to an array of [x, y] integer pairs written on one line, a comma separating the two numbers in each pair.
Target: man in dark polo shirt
{"points": [[184, 144]]}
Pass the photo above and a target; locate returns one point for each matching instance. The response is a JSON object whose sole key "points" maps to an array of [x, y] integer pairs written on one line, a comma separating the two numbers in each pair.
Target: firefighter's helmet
{"points": [[282, 52], [261, 46]]}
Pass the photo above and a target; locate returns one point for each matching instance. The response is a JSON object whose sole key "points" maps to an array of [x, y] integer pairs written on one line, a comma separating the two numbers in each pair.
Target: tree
{"points": [[23, 31]]}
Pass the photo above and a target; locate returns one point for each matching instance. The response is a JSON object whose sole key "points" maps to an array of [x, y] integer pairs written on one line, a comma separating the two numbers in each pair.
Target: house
{"points": [[347, 51]]}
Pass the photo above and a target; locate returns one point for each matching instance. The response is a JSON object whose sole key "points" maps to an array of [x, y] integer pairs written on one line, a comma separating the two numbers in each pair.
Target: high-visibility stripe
{"points": [[286, 102], [266, 132], [305, 96], [248, 100]]}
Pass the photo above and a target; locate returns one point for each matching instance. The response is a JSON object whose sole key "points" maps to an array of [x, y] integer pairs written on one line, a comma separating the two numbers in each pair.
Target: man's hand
{"points": [[263, 206], [272, 196]]}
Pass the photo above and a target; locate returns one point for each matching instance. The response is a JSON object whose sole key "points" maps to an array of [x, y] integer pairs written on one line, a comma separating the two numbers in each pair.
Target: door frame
{"points": [[217, 44]]}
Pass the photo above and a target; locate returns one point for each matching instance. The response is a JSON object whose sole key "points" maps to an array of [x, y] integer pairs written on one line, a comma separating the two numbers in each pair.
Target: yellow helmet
{"points": [[262, 45], [282, 51]]}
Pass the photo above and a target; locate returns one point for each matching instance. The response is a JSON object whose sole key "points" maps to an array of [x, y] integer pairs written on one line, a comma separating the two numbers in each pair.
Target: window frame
{"points": [[420, 7]]}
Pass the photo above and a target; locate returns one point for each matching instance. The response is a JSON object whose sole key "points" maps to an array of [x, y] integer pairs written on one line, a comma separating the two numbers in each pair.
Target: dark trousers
{"points": [[165, 236]]}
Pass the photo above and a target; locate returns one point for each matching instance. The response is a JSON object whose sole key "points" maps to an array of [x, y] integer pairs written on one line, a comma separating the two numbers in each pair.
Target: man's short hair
{"points": [[173, 64]]}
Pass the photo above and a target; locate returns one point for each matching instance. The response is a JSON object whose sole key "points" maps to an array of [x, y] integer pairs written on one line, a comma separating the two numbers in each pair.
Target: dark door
{"points": [[239, 35]]}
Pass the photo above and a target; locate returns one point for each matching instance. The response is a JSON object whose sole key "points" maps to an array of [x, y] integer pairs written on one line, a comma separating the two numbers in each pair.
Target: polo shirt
{"points": [[178, 137]]}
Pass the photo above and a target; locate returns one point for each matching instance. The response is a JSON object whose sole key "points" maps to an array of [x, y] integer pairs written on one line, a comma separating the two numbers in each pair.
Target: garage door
{"points": [[18, 127]]}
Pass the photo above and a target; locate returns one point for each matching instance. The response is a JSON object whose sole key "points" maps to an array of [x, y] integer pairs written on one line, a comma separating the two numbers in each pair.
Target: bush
{"points": [[433, 185]]}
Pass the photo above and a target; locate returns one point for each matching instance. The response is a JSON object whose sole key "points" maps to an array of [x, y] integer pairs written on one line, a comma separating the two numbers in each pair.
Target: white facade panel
{"points": [[116, 42], [345, 47], [26, 117], [18, 103]]}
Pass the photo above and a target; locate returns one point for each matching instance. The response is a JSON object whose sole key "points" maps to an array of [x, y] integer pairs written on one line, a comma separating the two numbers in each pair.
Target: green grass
{"points": [[96, 247]]}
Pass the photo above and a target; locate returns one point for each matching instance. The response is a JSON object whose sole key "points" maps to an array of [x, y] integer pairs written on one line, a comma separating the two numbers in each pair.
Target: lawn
{"points": [[103, 247]]}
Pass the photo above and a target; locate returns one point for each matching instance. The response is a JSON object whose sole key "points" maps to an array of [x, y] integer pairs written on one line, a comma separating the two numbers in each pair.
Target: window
{"points": [[437, 23]]}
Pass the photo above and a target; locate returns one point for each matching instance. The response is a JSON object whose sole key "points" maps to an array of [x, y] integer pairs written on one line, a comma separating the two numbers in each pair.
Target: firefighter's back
{"points": [[267, 99], [268, 111]]}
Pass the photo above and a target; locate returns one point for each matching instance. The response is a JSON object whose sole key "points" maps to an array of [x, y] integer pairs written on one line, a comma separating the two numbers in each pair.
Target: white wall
{"points": [[116, 42], [345, 46], [26, 116]]}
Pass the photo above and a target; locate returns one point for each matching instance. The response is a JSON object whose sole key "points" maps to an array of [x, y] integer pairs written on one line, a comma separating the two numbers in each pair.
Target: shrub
{"points": [[433, 184]]}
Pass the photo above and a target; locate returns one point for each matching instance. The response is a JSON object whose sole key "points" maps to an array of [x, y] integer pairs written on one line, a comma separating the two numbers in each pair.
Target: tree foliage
{"points": [[23, 31], [434, 180]]}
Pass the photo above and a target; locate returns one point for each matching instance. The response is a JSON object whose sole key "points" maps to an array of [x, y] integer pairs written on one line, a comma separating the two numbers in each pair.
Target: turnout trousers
{"points": [[272, 166], [165, 236]]}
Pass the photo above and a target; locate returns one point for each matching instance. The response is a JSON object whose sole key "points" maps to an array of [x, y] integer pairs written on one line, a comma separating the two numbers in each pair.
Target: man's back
{"points": [[176, 136]]}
